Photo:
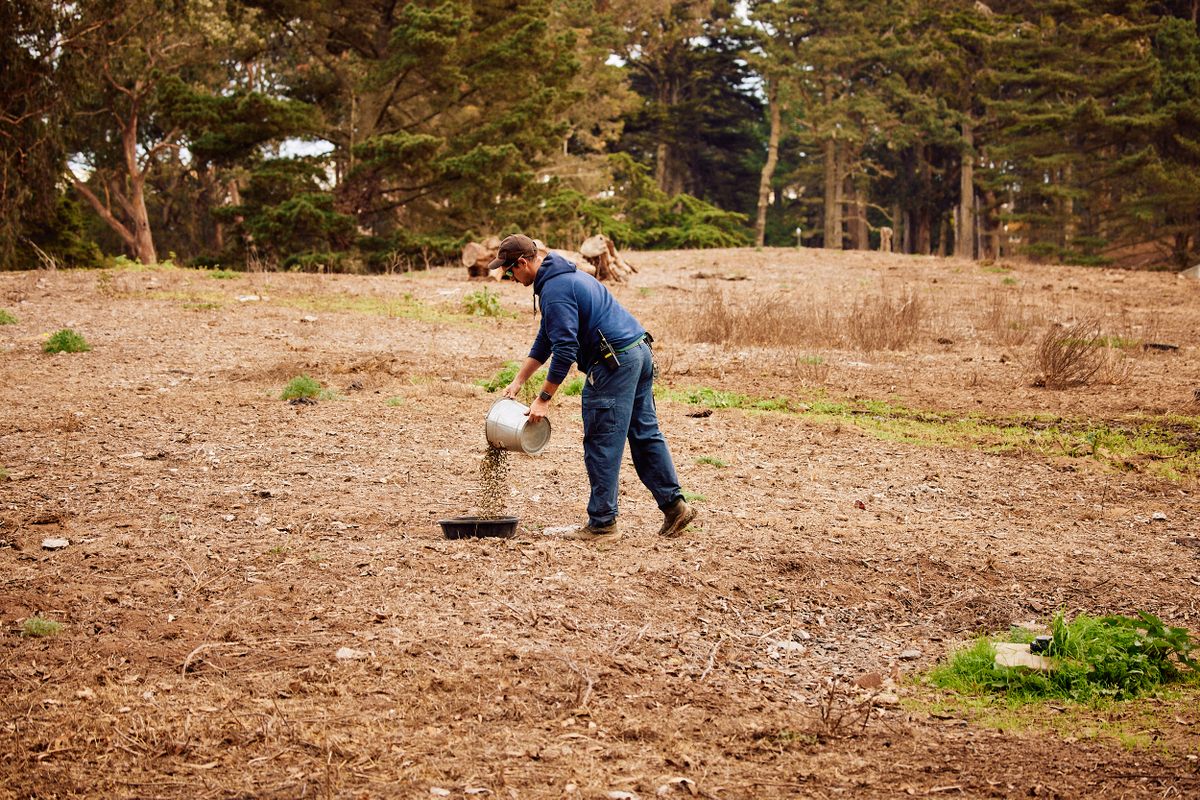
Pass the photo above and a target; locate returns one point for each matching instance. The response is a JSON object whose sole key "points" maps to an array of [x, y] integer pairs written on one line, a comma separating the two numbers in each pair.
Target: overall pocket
{"points": [[599, 416]]}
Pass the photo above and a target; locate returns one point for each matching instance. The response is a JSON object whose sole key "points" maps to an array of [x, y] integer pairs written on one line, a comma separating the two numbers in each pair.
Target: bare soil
{"points": [[227, 545]]}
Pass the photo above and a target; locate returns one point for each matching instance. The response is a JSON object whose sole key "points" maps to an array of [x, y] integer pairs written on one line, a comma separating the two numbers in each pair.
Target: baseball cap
{"points": [[513, 247]]}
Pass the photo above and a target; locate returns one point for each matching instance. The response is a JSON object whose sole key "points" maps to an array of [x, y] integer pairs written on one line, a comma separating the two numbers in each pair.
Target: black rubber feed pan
{"points": [[475, 527]]}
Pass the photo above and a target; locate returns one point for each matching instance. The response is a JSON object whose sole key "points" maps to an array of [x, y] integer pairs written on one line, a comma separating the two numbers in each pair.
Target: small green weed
{"points": [[573, 387], [224, 274], [3, 474], [506, 375], [6, 318], [715, 462], [693, 497], [202, 306], [997, 269], [1010, 281], [66, 341], [395, 402], [304, 387], [645, 291], [1095, 658], [484, 303], [39, 626]]}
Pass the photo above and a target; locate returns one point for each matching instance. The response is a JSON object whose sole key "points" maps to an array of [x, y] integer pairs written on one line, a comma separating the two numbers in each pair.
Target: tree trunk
{"points": [[143, 241], [924, 222], [768, 170], [964, 240], [833, 205], [856, 204]]}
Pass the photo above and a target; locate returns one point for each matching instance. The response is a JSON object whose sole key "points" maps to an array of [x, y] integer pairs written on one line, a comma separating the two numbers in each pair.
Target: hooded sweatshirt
{"points": [[575, 309]]}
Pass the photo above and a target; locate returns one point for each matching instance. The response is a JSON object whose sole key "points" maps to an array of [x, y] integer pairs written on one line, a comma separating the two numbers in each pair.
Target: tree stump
{"points": [[885, 240], [476, 256], [600, 252]]}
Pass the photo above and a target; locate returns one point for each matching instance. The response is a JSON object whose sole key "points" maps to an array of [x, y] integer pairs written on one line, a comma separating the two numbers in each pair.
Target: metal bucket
{"points": [[508, 427]]}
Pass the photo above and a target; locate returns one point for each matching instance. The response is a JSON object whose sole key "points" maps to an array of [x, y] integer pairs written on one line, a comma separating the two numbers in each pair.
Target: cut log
{"points": [[476, 256], [601, 253]]}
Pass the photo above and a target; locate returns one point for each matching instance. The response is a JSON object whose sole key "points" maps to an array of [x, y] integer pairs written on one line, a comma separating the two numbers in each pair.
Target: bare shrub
{"points": [[766, 320], [1009, 317], [885, 321], [1070, 355], [1116, 366], [810, 369]]}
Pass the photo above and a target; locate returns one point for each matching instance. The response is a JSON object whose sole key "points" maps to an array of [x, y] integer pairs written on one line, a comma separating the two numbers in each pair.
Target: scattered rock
{"points": [[55, 544], [704, 412], [910, 655], [308, 318], [869, 680], [249, 298], [438, 791], [1158, 516], [350, 654], [85, 694], [782, 646], [887, 699], [1011, 654]]}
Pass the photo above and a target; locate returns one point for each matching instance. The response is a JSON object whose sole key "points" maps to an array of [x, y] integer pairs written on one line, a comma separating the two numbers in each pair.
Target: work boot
{"points": [[595, 533], [677, 516]]}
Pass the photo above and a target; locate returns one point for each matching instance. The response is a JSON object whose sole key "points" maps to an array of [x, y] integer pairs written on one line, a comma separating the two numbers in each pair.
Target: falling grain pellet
{"points": [[493, 483]]}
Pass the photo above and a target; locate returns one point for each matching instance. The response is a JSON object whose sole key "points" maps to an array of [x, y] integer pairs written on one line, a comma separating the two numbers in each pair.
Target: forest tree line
{"points": [[383, 134]]}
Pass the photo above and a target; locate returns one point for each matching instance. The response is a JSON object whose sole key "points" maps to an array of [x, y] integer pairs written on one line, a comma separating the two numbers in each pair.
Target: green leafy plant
{"points": [[1112, 657], [693, 497], [572, 388], [484, 303], [223, 274], [6, 318], [39, 626], [395, 402], [306, 388], [509, 372], [66, 341], [715, 462]]}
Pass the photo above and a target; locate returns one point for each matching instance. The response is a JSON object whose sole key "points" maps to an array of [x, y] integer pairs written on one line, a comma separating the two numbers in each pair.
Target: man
{"points": [[583, 323]]}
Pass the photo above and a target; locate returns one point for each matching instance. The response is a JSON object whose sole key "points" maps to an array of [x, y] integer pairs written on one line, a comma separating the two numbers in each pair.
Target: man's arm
{"points": [[527, 369]]}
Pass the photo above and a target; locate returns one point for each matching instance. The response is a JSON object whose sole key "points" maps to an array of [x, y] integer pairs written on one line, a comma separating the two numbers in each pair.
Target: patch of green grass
{"points": [[302, 386], [693, 497], [509, 372], [485, 303], [996, 269], [66, 341], [395, 402], [403, 307], [572, 387], [39, 626], [3, 474], [711, 461], [223, 274], [202, 306], [1164, 447], [1010, 281], [1112, 657], [6, 318], [644, 291], [126, 264]]}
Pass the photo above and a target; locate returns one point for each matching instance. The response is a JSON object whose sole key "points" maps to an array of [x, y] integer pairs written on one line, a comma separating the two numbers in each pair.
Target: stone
{"points": [[910, 655], [55, 544], [350, 654], [1011, 654], [869, 680], [1158, 516]]}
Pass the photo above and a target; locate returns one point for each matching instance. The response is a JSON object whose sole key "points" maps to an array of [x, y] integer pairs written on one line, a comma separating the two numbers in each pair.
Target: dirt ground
{"points": [[225, 545]]}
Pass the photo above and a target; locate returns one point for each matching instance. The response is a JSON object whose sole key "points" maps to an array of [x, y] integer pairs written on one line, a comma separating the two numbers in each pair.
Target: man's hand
{"points": [[539, 410], [512, 390]]}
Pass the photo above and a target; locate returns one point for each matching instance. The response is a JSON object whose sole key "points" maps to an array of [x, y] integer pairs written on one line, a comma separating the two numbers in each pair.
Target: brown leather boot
{"points": [[676, 517], [597, 534]]}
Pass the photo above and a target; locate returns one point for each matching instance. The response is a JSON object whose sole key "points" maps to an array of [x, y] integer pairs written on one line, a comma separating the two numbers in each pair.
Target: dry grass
{"points": [[1070, 355], [882, 321], [1009, 317], [886, 321]]}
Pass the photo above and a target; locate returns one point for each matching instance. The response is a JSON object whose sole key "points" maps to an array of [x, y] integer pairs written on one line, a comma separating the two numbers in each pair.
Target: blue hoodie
{"points": [[575, 307]]}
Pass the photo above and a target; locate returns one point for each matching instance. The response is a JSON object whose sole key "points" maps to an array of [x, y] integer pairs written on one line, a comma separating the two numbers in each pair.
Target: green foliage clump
{"points": [[36, 627], [484, 303], [7, 318], [711, 461], [506, 375], [223, 274], [66, 341], [1111, 657], [303, 387], [573, 387]]}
